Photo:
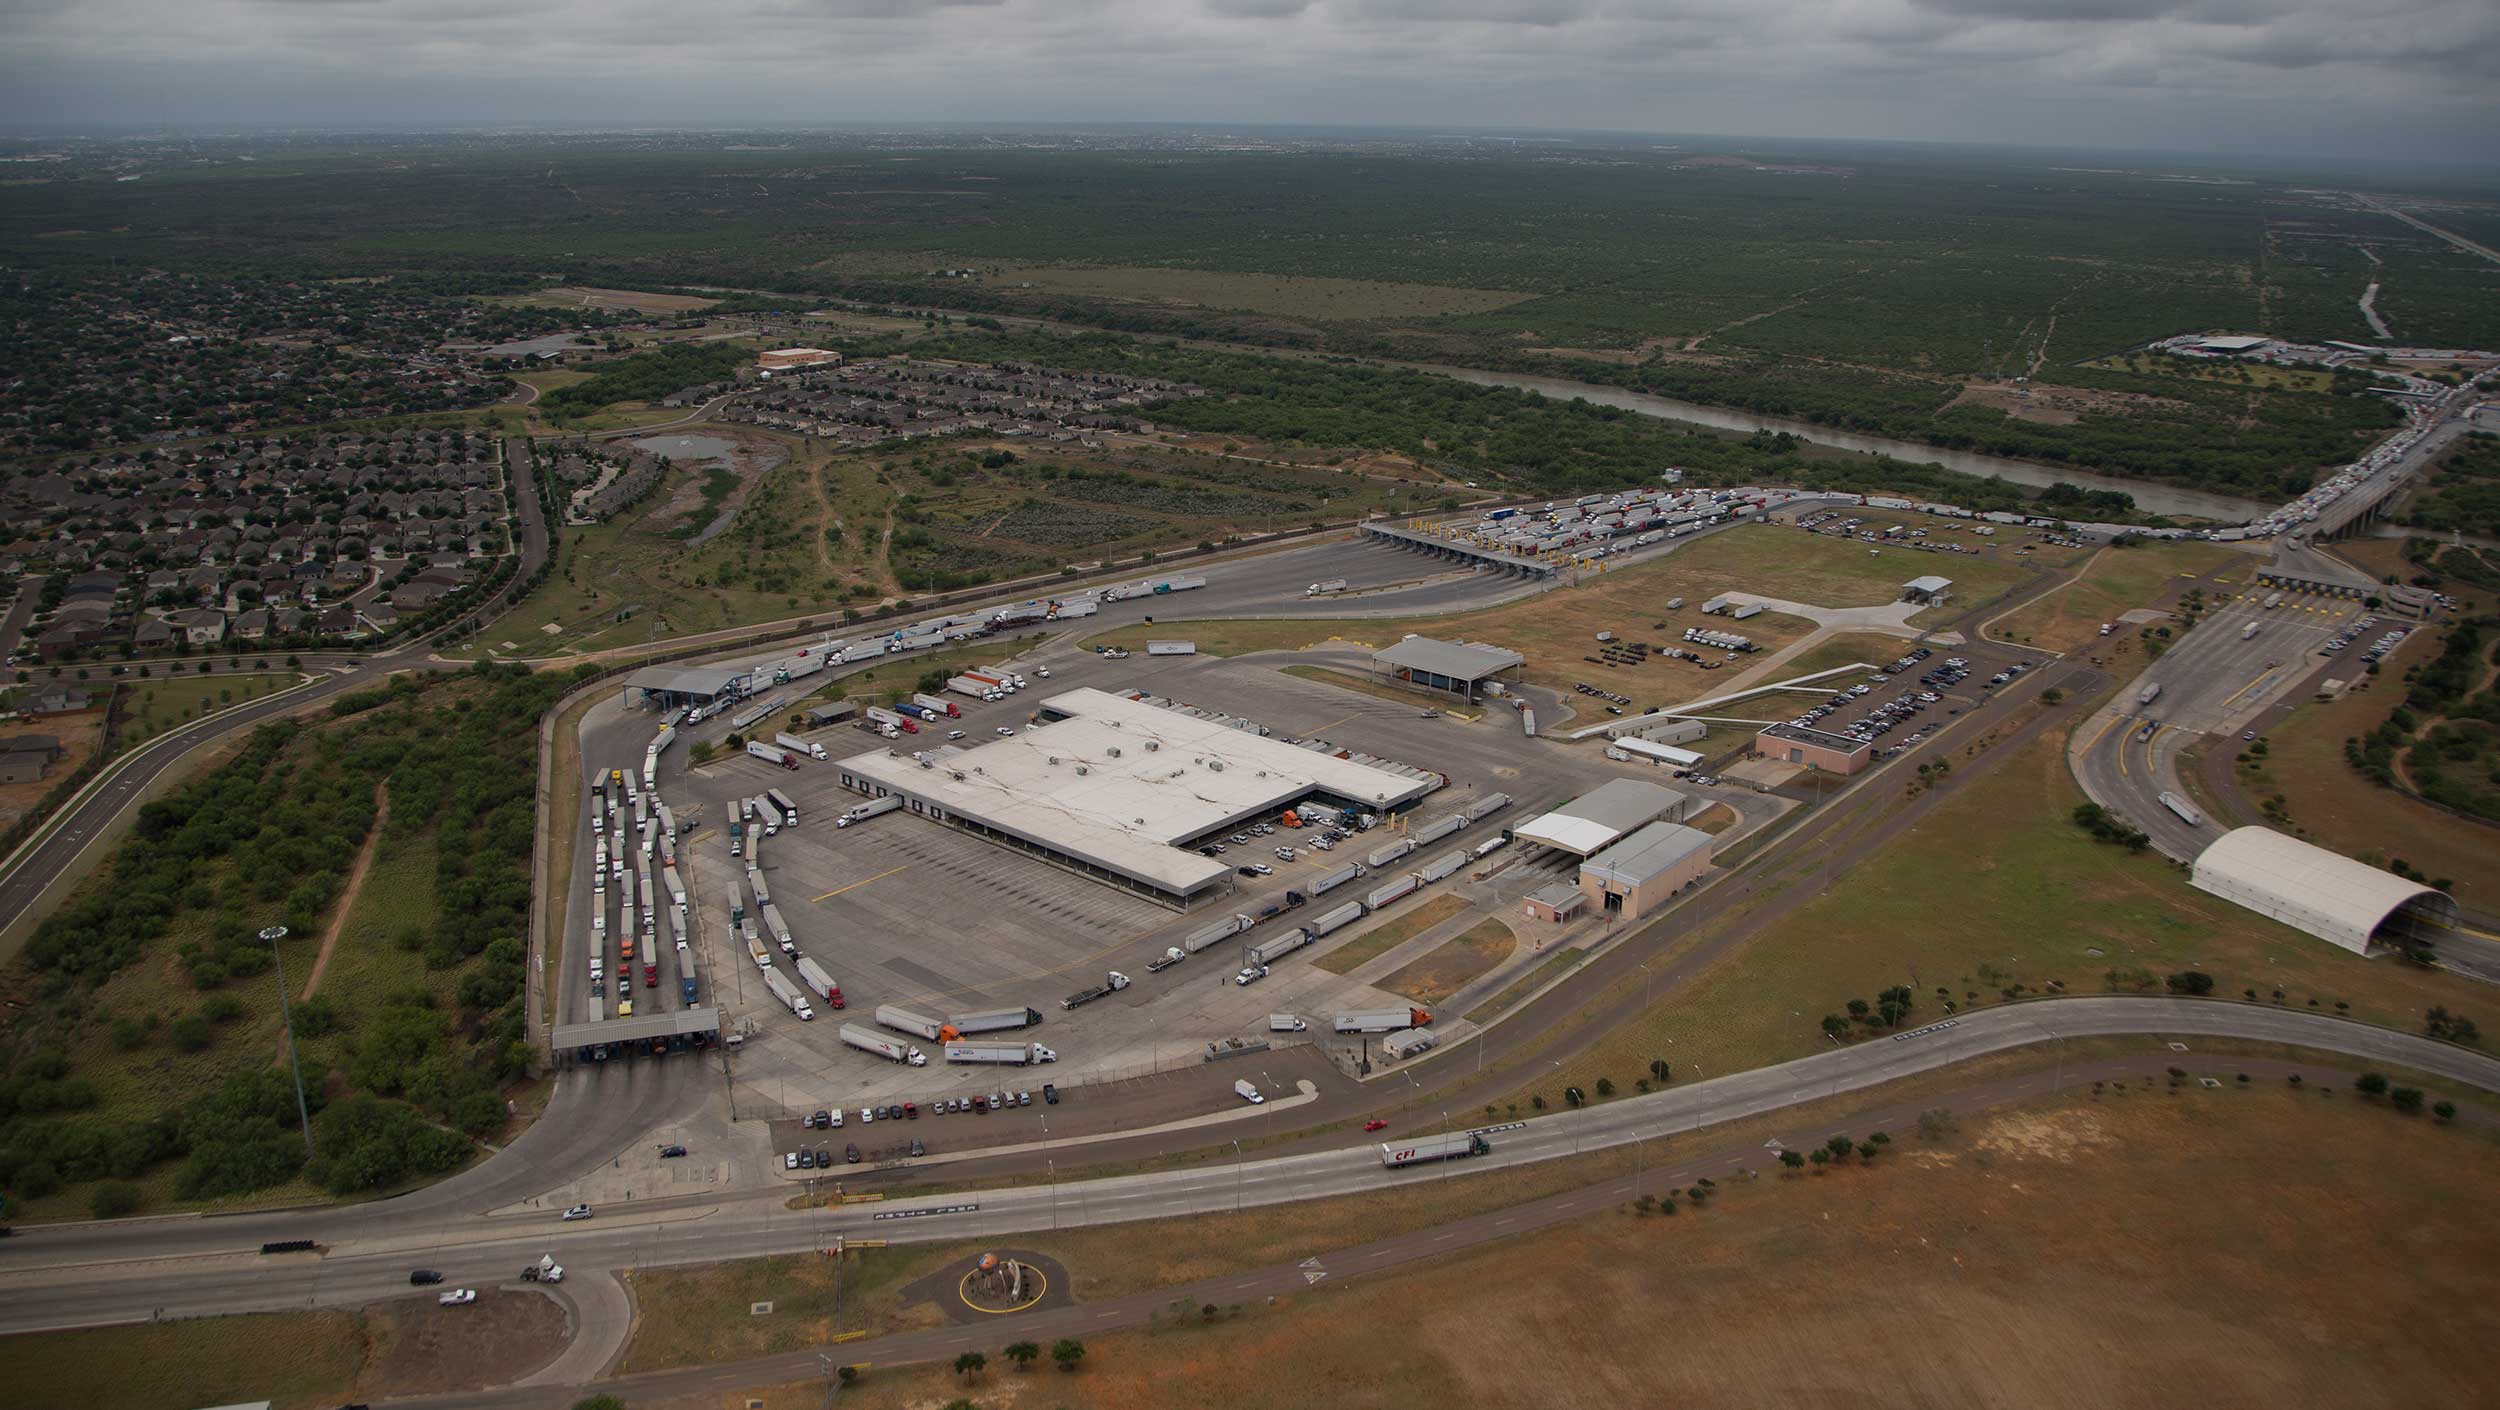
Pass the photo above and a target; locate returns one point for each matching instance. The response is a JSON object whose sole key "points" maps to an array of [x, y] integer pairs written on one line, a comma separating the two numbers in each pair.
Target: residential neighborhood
{"points": [[296, 540], [881, 399]]}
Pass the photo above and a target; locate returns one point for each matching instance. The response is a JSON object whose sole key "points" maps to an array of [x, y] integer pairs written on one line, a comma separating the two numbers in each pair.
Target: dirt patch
{"points": [[347, 895], [634, 299], [423, 1348], [1455, 963], [2023, 404], [2036, 1135], [77, 735]]}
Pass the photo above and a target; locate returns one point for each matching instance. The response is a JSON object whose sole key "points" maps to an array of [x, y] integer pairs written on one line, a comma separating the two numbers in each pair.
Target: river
{"points": [[2152, 498]]}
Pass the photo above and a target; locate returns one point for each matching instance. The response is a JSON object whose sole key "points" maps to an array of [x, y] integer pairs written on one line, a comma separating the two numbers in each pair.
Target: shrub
{"points": [[113, 1199], [192, 1033]]}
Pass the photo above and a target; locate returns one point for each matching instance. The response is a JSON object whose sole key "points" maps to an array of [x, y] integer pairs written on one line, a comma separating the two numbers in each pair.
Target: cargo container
{"points": [[1112, 983], [868, 1041], [1383, 856], [1408, 1043], [918, 1025], [1002, 1054], [1335, 877], [789, 994], [819, 982], [1433, 1148], [1437, 829], [1337, 919], [1276, 947], [771, 755], [780, 929], [994, 1020], [1381, 1020], [942, 706], [1171, 648], [781, 800], [1392, 893], [1486, 806], [1223, 929], [799, 746], [862, 812]]}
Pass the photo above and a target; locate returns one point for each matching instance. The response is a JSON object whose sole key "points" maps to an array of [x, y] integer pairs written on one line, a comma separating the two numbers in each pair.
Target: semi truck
{"points": [[780, 928], [910, 711], [870, 1041], [1004, 1054], [668, 824], [790, 994], [1383, 856], [686, 975], [918, 1025], [1381, 1020], [862, 812], [994, 1020], [772, 755], [756, 884], [1323, 589], [1337, 919], [771, 815], [1111, 983], [878, 714], [781, 800], [942, 706], [1392, 893], [1276, 947], [819, 982], [1486, 806], [737, 838], [2185, 810], [799, 746], [1223, 929], [1433, 1148], [1335, 877], [976, 688]]}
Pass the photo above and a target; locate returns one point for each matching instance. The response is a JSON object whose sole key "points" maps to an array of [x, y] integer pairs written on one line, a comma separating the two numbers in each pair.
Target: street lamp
{"points": [[1237, 1160], [286, 1015]]}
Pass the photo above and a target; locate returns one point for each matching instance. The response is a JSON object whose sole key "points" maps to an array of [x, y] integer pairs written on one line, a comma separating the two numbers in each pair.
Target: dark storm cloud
{"points": [[2318, 76]]}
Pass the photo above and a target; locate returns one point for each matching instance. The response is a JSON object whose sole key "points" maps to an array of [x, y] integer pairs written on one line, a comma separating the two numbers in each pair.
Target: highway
{"points": [[137, 1269]]}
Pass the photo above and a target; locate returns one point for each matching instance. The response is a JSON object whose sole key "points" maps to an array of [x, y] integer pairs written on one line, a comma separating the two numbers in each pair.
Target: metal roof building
{"points": [[2311, 889], [1596, 820], [1455, 666], [1121, 790], [1927, 589], [667, 687], [668, 1030]]}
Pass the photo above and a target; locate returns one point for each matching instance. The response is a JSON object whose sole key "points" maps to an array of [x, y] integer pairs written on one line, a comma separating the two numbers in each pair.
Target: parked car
{"points": [[790, 1160], [912, 1110], [671, 1152], [918, 1149], [1050, 1094], [850, 1155], [1024, 1099]]}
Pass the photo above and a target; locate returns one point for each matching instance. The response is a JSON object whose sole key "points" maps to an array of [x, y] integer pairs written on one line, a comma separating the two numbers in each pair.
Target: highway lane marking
{"points": [[880, 876], [2105, 729], [2234, 696], [2152, 765]]}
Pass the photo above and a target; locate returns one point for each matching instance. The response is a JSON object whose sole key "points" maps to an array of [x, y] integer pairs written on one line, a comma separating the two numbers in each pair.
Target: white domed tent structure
{"points": [[2311, 889]]}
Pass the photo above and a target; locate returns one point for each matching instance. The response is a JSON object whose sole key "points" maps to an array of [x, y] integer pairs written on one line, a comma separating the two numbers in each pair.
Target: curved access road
{"points": [[136, 1269]]}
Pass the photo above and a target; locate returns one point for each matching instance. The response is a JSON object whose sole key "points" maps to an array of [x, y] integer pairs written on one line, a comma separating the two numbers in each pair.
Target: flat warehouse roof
{"points": [[1122, 784], [1459, 660], [1652, 851], [703, 681], [641, 1027], [1929, 583], [1596, 819]]}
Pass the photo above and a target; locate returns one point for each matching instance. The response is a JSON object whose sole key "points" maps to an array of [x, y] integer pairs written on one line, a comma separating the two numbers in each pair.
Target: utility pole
{"points": [[286, 1015]]}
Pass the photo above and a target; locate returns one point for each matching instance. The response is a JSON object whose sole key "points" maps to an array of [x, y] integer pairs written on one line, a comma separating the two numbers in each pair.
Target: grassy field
{"points": [[2114, 581], [1556, 630], [1283, 296], [1381, 939], [2334, 805], [2332, 1254], [152, 707], [2232, 372], [1554, 966], [709, 1317], [294, 1360], [2028, 900], [1454, 963]]}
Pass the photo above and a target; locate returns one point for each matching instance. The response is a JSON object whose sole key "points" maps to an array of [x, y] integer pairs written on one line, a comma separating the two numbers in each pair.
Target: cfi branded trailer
{"points": [[1004, 1054], [1433, 1148], [789, 994], [781, 758], [1381, 1020], [862, 812], [820, 982], [799, 746], [937, 705], [870, 1041], [903, 1020]]}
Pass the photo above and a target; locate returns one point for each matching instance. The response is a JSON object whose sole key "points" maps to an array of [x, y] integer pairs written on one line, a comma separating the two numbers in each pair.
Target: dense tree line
{"points": [[395, 1080], [649, 376]]}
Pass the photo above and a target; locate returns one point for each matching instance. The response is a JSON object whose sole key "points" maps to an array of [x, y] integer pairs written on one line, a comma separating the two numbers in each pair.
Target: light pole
{"points": [[1237, 1159], [286, 1015], [1054, 1192]]}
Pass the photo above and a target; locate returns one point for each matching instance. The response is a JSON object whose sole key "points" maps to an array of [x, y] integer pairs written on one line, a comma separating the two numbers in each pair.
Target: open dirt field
{"points": [[1283, 295], [634, 300], [1454, 963], [78, 736], [2273, 1248]]}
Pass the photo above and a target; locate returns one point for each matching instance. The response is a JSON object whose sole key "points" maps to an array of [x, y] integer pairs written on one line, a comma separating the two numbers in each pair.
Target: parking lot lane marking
{"points": [[880, 876]]}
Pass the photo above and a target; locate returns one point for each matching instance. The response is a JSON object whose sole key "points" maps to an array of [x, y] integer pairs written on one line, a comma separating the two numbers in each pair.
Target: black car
{"points": [[894, 1112], [917, 1148], [807, 1158], [1050, 1094], [671, 1152], [824, 1157], [424, 1277], [850, 1155]]}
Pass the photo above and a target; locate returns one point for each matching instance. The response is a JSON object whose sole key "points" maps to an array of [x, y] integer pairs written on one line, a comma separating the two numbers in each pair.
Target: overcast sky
{"points": [[2327, 77]]}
